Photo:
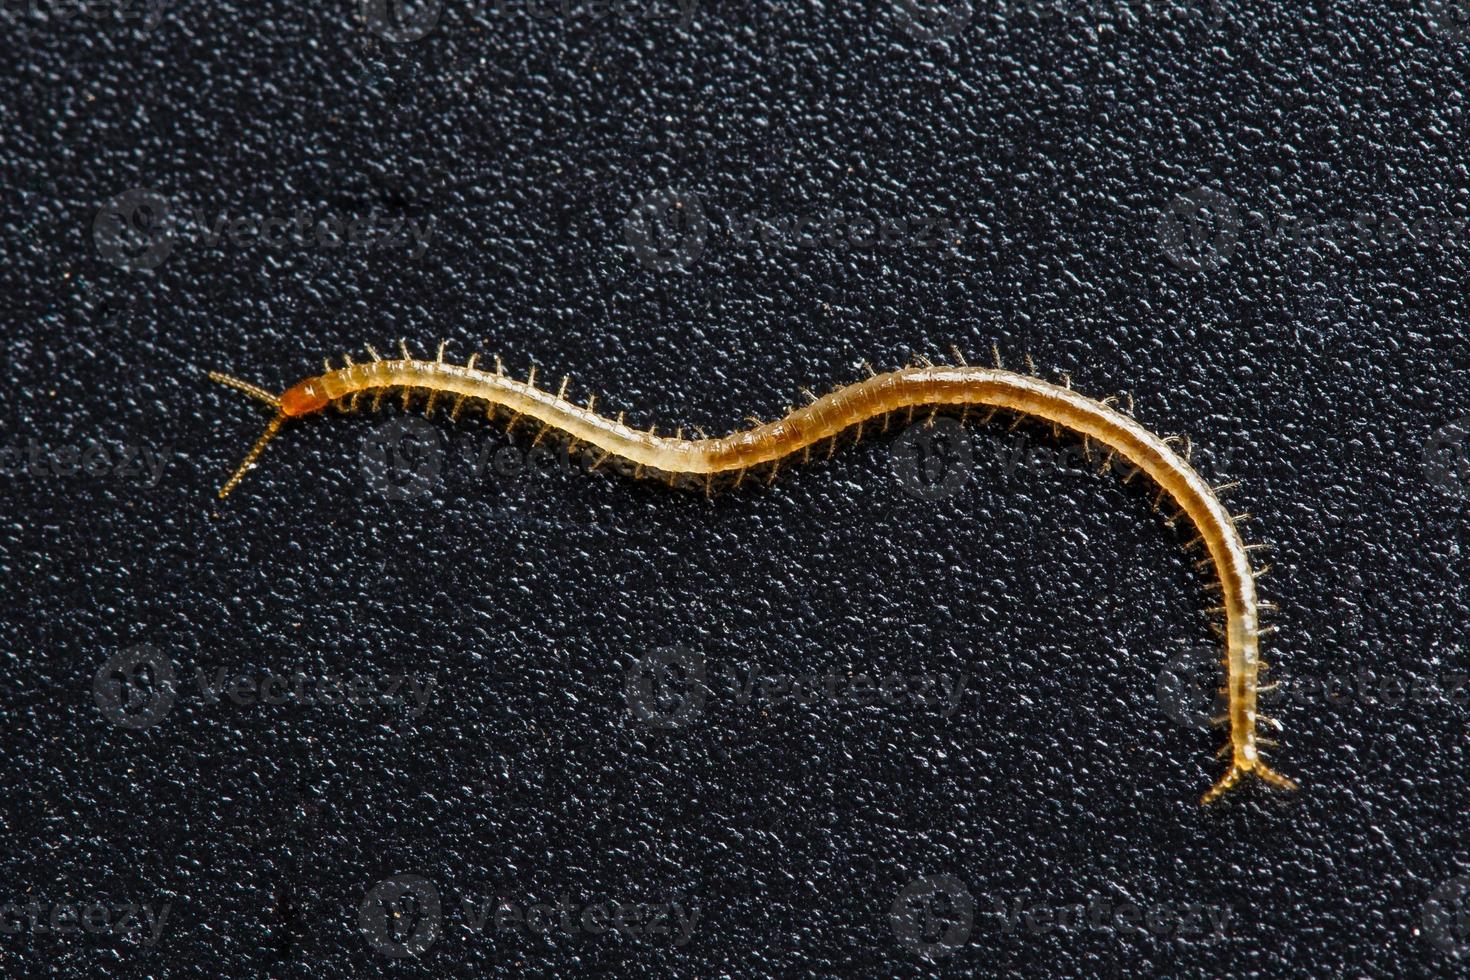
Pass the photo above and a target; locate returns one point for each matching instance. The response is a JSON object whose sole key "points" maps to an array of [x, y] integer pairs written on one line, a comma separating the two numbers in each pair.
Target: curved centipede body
{"points": [[959, 386]]}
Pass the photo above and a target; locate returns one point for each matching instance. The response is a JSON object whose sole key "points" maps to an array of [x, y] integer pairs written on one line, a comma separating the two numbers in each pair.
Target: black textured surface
{"points": [[1313, 365]]}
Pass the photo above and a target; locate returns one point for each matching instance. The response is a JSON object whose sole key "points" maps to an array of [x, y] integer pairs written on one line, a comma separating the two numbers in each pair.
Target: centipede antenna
{"points": [[254, 391], [272, 427]]}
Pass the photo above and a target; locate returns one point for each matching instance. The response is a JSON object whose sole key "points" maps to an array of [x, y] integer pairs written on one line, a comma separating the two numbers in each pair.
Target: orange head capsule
{"points": [[303, 399]]}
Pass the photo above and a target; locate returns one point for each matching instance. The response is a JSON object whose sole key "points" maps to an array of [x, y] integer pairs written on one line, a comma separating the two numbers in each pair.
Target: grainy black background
{"points": [[1059, 145]]}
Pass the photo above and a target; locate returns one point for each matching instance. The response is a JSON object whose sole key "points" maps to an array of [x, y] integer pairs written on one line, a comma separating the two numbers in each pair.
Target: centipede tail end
{"points": [[1237, 772]]}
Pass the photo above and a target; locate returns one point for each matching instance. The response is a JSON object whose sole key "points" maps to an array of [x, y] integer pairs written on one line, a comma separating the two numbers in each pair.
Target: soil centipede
{"points": [[926, 385]]}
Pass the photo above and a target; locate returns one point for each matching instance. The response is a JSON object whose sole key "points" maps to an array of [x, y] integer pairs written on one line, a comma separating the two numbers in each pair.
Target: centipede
{"points": [[762, 448]]}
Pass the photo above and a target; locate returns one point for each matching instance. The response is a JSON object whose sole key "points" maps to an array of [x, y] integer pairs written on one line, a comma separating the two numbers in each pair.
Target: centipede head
{"points": [[272, 427]]}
